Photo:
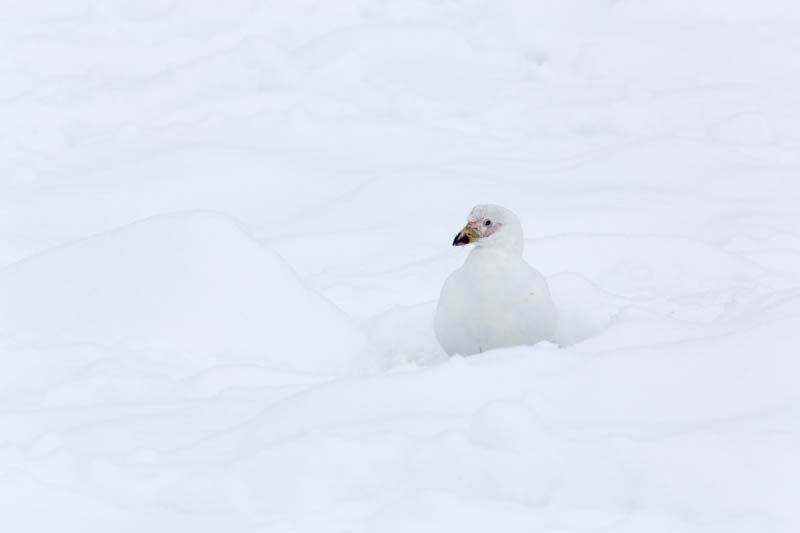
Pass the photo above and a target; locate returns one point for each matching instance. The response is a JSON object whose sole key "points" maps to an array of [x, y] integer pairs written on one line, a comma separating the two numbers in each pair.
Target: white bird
{"points": [[495, 299]]}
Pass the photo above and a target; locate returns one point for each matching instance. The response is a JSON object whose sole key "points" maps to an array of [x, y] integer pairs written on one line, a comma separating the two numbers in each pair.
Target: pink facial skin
{"points": [[474, 230], [488, 230], [482, 228]]}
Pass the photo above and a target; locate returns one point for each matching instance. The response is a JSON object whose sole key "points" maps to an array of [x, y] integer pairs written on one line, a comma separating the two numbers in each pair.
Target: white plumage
{"points": [[495, 299]]}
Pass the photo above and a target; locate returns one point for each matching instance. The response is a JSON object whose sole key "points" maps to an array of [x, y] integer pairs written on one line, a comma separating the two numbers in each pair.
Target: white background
{"points": [[224, 226]]}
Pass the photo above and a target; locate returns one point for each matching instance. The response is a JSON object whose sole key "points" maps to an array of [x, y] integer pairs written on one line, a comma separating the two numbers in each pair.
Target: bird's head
{"points": [[491, 225]]}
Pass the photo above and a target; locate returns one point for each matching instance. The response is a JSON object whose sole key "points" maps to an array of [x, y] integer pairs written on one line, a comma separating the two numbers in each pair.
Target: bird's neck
{"points": [[506, 241], [502, 250]]}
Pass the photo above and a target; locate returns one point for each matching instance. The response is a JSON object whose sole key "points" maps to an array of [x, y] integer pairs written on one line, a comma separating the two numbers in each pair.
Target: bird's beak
{"points": [[467, 235]]}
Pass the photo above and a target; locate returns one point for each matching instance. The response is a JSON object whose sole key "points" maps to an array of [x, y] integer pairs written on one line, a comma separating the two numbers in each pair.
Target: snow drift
{"points": [[187, 287], [202, 207]]}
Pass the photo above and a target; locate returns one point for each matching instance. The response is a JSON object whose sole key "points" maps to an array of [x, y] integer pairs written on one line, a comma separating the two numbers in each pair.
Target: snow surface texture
{"points": [[224, 226]]}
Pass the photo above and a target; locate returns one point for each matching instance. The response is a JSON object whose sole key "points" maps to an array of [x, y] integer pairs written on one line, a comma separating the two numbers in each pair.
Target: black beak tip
{"points": [[460, 240]]}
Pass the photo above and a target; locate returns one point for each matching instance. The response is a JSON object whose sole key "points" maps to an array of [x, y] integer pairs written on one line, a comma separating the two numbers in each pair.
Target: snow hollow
{"points": [[224, 228]]}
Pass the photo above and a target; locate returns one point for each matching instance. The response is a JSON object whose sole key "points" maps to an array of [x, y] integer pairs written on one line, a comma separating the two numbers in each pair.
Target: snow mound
{"points": [[584, 310], [149, 374], [403, 335], [191, 286]]}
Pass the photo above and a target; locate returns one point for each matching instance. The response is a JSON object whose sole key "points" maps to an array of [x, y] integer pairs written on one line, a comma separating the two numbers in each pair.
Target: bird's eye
{"points": [[487, 223]]}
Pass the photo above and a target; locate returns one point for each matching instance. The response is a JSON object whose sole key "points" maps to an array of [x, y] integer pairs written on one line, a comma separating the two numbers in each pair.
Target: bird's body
{"points": [[495, 299]]}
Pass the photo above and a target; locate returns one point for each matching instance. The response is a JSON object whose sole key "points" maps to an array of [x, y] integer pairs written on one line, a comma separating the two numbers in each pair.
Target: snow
{"points": [[223, 230], [182, 286]]}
